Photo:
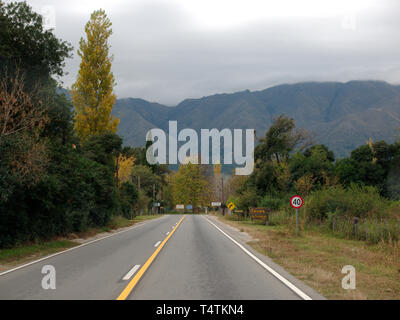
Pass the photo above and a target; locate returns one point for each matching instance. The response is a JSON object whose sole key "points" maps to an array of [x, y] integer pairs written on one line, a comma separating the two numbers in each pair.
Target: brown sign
{"points": [[259, 213]]}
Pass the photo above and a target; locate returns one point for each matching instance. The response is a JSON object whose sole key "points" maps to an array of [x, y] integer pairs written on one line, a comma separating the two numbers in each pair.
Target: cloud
{"points": [[166, 51]]}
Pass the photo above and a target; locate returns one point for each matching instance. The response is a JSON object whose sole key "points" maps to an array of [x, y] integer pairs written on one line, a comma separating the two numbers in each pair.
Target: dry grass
{"points": [[317, 259]]}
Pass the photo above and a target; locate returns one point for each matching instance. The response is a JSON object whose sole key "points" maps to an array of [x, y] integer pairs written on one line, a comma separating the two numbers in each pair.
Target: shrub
{"points": [[129, 196], [271, 202], [356, 201]]}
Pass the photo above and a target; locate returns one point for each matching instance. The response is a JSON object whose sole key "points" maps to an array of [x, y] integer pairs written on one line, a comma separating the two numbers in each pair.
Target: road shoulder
{"points": [[244, 239]]}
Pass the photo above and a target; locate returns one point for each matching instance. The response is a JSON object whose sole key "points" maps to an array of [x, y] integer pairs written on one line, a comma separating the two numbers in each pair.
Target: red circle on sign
{"points": [[296, 204]]}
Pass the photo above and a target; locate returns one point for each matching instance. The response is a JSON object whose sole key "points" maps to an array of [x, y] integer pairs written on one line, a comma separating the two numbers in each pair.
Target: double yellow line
{"points": [[143, 269]]}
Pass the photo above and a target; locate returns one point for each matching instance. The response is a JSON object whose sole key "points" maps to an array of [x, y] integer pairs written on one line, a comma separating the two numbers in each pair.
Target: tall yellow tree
{"points": [[92, 93], [125, 165]]}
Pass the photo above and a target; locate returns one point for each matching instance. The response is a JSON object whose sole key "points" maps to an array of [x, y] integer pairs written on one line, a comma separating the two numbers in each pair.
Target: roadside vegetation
{"points": [[350, 216], [317, 258], [63, 168], [26, 252], [354, 198]]}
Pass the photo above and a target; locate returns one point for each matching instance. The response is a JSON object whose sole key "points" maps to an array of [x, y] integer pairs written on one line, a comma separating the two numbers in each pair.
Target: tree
{"points": [[92, 93], [362, 154], [124, 165], [18, 112], [305, 184], [129, 197], [280, 139], [144, 176], [22, 120], [283, 176], [190, 186], [24, 42], [103, 148], [317, 160]]}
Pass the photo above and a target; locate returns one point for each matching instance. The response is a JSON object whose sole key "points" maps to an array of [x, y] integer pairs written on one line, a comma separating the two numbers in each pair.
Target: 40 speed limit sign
{"points": [[296, 202]]}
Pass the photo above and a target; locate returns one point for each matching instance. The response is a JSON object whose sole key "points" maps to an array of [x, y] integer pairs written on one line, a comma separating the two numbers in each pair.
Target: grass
{"points": [[116, 222], [317, 259], [24, 253]]}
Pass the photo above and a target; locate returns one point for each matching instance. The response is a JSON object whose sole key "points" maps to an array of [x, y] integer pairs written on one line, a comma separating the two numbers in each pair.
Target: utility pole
{"points": [[222, 196], [117, 169], [154, 196]]}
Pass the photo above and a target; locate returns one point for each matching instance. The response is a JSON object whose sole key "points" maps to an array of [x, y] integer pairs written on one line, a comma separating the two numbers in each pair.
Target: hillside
{"points": [[340, 115]]}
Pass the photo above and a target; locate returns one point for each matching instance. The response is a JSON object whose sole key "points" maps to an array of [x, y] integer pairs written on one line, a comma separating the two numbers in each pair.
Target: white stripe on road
{"points": [[269, 269], [79, 246], [131, 272], [157, 243], [167, 233]]}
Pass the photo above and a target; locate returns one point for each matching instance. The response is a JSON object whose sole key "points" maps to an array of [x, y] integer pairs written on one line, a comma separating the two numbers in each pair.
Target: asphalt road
{"points": [[172, 257]]}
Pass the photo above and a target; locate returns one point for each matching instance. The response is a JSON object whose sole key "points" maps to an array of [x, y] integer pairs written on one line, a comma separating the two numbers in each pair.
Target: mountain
{"points": [[341, 115]]}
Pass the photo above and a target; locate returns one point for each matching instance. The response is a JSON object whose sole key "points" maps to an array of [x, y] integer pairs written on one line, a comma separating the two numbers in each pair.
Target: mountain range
{"points": [[340, 115]]}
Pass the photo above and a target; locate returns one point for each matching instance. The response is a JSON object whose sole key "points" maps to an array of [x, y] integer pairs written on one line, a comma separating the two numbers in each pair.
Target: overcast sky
{"points": [[168, 50]]}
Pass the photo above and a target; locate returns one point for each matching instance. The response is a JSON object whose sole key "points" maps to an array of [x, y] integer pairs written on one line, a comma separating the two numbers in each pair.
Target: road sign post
{"points": [[296, 202]]}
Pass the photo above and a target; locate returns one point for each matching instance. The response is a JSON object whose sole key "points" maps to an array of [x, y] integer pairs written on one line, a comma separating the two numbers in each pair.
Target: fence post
{"points": [[355, 219], [386, 229], [398, 222]]}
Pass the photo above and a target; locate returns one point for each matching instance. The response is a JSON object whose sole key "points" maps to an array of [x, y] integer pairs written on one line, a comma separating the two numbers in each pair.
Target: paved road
{"points": [[173, 257]]}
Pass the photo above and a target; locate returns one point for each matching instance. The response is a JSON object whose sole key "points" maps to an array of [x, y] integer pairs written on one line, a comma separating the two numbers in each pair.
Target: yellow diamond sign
{"points": [[231, 206]]}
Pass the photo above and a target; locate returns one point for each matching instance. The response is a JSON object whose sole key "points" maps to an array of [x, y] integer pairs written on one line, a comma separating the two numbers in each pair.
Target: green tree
{"points": [[190, 186], [280, 139], [317, 161], [144, 176], [25, 43]]}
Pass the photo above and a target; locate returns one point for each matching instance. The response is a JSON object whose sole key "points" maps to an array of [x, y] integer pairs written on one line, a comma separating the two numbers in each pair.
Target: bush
{"points": [[356, 201], [129, 196], [76, 193], [271, 202]]}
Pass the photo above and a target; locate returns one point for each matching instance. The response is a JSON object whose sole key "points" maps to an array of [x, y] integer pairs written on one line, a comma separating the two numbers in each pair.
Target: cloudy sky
{"points": [[168, 50]]}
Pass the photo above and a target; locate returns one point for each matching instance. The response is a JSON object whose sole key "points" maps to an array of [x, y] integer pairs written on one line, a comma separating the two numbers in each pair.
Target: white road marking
{"points": [[80, 246], [131, 272], [167, 233], [157, 243], [268, 268]]}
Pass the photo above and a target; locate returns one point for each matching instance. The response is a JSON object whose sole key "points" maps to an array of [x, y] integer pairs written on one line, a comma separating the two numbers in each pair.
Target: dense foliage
{"points": [[366, 185], [50, 182]]}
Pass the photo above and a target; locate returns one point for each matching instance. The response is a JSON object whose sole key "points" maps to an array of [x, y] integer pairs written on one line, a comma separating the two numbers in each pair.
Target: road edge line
{"points": [[77, 247], [131, 285], [290, 285]]}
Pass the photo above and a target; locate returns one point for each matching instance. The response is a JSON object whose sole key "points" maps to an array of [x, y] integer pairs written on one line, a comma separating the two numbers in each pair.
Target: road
{"points": [[172, 257]]}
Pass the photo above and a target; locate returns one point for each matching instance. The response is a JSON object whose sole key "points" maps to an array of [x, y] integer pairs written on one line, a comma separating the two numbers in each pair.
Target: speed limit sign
{"points": [[296, 202]]}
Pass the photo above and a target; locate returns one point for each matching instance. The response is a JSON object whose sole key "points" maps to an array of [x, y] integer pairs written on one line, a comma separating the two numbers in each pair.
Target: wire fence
{"points": [[372, 230]]}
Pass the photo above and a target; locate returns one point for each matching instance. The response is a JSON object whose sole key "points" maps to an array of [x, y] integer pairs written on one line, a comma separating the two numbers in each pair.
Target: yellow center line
{"points": [[143, 269]]}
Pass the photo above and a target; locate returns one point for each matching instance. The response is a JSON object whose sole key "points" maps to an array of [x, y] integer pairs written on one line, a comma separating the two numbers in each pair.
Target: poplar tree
{"points": [[92, 93]]}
